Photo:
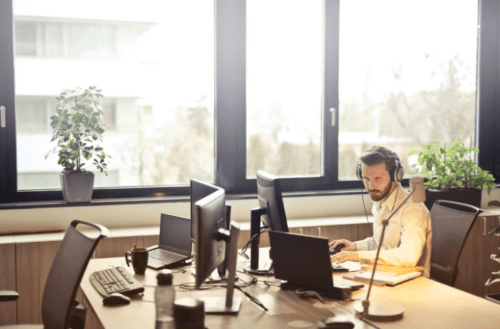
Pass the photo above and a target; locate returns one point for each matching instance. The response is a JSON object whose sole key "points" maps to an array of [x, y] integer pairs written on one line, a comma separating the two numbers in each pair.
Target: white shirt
{"points": [[408, 236]]}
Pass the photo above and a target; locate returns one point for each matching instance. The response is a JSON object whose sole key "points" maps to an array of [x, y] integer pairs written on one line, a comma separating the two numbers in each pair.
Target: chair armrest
{"points": [[6, 295], [78, 315]]}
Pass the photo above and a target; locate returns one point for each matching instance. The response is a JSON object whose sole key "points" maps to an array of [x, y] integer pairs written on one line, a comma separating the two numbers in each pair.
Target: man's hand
{"points": [[349, 246], [345, 256]]}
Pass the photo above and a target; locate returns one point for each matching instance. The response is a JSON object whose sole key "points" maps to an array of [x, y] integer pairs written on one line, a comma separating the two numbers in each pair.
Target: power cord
{"points": [[245, 247]]}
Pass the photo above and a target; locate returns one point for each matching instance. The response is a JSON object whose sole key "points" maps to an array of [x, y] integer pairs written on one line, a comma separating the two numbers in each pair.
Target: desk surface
{"points": [[427, 303]]}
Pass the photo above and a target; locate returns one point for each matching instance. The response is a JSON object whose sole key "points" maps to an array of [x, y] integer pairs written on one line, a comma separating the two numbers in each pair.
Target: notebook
{"points": [[382, 279], [304, 261], [174, 247]]}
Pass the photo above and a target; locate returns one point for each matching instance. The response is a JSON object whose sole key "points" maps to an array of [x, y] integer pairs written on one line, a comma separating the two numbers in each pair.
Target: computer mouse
{"points": [[116, 299], [336, 250]]}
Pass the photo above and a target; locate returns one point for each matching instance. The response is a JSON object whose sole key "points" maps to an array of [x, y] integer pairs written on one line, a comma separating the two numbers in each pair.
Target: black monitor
{"points": [[211, 238], [271, 212], [199, 190]]}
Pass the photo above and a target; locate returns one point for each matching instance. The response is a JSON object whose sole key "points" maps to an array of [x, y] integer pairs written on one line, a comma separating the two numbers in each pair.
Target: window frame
{"points": [[230, 108]]}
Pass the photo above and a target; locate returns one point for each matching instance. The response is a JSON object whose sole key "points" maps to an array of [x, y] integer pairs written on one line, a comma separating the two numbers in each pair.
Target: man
{"points": [[408, 236]]}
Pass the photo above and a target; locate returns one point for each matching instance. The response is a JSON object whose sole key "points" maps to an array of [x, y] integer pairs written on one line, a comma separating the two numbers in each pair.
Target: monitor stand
{"points": [[255, 268], [229, 304]]}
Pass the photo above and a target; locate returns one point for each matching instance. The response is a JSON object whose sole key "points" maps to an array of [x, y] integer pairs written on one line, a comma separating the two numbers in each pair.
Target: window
{"points": [[408, 79], [295, 87], [284, 87]]}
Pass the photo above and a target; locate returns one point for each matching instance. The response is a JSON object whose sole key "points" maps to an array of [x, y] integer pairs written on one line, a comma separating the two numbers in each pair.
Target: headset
{"points": [[397, 173]]}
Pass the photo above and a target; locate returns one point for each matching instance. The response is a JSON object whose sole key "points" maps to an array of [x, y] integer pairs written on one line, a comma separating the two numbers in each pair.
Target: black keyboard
{"points": [[166, 257], [115, 279]]}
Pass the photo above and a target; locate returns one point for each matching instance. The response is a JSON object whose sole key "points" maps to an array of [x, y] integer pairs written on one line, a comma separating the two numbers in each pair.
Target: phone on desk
{"points": [[493, 297]]}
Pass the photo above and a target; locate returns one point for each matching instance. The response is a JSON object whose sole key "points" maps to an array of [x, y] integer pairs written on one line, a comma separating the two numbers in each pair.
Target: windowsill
{"points": [[184, 198]]}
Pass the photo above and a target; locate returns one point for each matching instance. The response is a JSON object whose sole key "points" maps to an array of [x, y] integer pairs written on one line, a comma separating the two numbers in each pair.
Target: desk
{"points": [[427, 303]]}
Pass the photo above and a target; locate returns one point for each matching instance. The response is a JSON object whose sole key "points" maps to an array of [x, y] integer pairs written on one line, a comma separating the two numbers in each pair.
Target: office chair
{"points": [[59, 308], [451, 224]]}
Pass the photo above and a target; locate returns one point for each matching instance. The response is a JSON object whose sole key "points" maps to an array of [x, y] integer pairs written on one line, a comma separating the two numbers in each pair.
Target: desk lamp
{"points": [[381, 311]]}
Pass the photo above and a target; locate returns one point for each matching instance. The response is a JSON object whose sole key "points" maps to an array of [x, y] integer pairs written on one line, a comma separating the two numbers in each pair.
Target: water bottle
{"points": [[164, 300]]}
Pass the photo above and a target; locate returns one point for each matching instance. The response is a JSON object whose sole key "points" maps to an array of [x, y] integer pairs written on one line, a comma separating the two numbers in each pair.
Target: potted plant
{"points": [[452, 173], [78, 127]]}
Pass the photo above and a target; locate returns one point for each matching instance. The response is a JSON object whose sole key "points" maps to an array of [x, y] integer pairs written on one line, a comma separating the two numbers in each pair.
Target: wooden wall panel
{"points": [[8, 313], [364, 231], [151, 240], [33, 264], [117, 247]]}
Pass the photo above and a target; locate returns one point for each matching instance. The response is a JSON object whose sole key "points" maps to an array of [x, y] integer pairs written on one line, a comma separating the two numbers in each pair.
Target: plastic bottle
{"points": [[164, 300]]}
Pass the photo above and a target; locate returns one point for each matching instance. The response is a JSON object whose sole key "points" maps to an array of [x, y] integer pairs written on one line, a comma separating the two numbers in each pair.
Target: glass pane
{"points": [[284, 87], [158, 88], [407, 76], [26, 38]]}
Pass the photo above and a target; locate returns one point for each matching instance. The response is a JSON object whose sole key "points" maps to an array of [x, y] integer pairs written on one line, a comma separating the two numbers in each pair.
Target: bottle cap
{"points": [[164, 277]]}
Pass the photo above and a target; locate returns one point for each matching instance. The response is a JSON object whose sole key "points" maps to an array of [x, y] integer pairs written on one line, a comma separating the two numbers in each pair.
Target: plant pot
{"points": [[468, 196], [77, 186]]}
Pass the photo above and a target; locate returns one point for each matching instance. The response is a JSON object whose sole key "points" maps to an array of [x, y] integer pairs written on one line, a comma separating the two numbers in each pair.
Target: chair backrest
{"points": [[66, 274], [451, 224]]}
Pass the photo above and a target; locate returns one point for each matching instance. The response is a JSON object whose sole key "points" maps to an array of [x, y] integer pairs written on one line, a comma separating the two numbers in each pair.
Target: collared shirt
{"points": [[407, 238]]}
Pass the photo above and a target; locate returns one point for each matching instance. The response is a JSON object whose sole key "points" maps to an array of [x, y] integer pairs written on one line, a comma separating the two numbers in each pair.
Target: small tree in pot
{"points": [[452, 173], [78, 127]]}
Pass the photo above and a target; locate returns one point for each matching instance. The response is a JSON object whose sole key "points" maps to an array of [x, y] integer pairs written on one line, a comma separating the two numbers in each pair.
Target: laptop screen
{"points": [[175, 234], [302, 260]]}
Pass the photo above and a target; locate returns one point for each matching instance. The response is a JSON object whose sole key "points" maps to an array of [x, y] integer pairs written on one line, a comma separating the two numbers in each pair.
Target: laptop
{"points": [[304, 262], [174, 247]]}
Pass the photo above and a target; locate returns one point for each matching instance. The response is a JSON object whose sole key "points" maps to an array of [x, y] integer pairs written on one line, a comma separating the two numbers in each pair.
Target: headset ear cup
{"points": [[359, 174], [399, 173]]}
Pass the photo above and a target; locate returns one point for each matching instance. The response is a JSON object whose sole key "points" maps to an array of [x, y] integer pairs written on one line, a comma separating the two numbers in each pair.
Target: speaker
{"points": [[397, 173]]}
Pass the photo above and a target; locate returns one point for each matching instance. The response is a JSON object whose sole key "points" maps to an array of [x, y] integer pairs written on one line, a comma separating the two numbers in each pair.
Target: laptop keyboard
{"points": [[165, 257]]}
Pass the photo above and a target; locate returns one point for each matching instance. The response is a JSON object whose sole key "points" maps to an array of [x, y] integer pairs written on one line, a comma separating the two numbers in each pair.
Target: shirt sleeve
{"points": [[366, 244], [415, 221]]}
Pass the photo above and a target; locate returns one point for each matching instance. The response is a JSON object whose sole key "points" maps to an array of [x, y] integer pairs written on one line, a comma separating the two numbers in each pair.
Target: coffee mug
{"points": [[139, 259]]}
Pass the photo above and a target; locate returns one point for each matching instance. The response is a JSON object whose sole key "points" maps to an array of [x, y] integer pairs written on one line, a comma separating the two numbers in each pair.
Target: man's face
{"points": [[377, 181]]}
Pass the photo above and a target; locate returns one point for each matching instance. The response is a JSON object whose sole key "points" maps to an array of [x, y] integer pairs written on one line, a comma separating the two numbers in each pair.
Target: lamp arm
{"points": [[385, 222]]}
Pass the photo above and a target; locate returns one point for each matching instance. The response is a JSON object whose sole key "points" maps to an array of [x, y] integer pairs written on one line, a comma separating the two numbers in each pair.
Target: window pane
{"points": [[26, 38], [407, 76], [154, 63], [284, 87]]}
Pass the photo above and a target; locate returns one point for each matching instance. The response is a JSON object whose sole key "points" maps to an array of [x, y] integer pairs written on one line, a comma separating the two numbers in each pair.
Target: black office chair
{"points": [[59, 308], [451, 224]]}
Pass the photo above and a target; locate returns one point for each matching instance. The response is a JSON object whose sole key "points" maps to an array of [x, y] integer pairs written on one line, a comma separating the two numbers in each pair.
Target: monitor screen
{"points": [[209, 217], [270, 200], [199, 190]]}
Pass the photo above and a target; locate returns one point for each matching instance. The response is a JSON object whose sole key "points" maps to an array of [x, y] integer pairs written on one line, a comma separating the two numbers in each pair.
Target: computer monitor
{"points": [[211, 238], [271, 212], [200, 190]]}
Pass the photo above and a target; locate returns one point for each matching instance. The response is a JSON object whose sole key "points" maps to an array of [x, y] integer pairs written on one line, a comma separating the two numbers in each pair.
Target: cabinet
{"points": [[475, 265]]}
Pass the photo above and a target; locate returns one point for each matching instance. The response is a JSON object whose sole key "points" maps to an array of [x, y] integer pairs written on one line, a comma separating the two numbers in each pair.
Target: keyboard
{"points": [[165, 257], [115, 279]]}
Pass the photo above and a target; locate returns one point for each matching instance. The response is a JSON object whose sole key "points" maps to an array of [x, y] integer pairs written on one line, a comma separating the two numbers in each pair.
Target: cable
{"points": [[367, 220], [245, 247]]}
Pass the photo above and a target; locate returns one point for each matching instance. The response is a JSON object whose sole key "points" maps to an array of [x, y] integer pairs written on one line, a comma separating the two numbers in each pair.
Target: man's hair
{"points": [[379, 154]]}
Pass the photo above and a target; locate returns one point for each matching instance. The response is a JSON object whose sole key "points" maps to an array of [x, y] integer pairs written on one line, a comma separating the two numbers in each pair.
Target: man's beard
{"points": [[380, 195]]}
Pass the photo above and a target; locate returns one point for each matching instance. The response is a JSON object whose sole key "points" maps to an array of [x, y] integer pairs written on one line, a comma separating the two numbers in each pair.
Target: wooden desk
{"points": [[428, 304]]}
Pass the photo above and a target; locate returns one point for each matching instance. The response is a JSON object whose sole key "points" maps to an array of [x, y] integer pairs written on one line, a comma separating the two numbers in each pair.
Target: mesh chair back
{"points": [[451, 224], [66, 274]]}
